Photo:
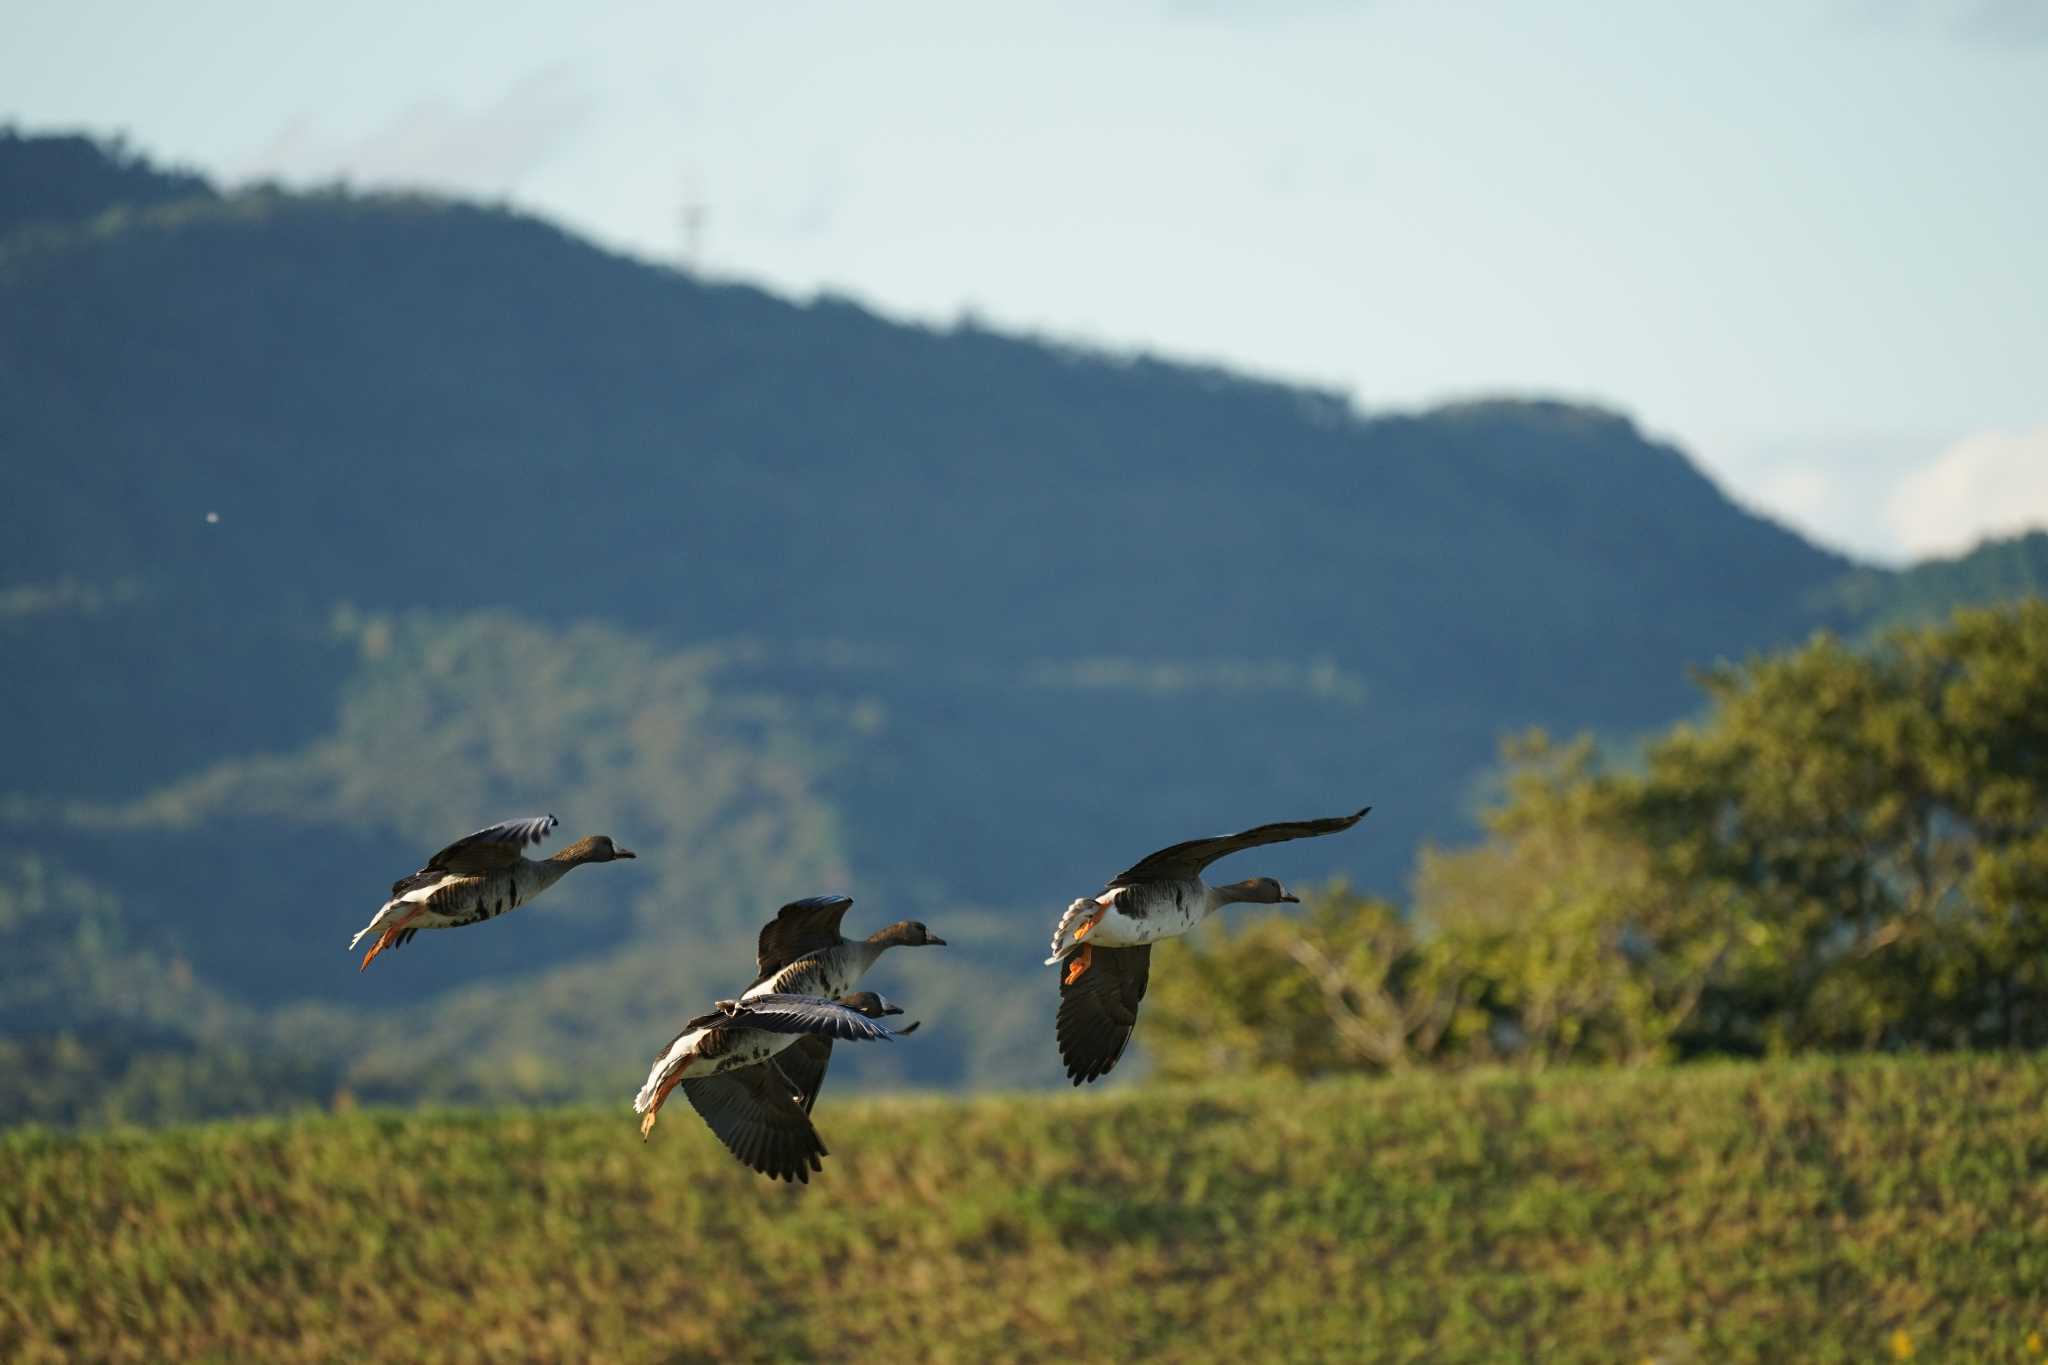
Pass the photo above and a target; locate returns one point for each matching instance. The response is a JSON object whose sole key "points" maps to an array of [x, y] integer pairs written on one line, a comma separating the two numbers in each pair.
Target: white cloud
{"points": [[1994, 483], [1833, 486]]}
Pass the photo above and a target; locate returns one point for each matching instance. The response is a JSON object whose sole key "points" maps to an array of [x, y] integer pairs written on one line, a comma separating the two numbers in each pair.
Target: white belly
{"points": [[1165, 911], [749, 1048], [755, 1047], [472, 899]]}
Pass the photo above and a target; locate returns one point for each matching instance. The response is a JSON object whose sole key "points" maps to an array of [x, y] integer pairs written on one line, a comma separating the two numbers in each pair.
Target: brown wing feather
{"points": [[755, 1114], [491, 848], [1099, 1010], [1187, 860], [799, 929]]}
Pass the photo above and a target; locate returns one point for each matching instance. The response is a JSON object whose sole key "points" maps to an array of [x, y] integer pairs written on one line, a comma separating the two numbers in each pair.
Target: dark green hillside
{"points": [[788, 595], [50, 181]]}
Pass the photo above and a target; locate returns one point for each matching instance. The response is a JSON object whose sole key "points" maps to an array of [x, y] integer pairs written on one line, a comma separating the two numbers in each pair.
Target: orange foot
{"points": [[384, 941], [1078, 964], [654, 1109]]}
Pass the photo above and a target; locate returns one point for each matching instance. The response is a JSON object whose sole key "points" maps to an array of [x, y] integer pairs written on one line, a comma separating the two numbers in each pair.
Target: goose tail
{"points": [[378, 922], [663, 1077], [648, 1098], [1072, 928], [393, 928]]}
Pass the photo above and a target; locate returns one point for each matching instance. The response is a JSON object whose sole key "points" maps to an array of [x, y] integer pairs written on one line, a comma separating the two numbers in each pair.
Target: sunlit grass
{"points": [[1818, 1211]]}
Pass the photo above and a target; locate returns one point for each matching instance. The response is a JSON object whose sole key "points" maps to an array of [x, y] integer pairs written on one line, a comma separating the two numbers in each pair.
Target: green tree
{"points": [[1586, 952], [1344, 985], [1874, 821], [1849, 850]]}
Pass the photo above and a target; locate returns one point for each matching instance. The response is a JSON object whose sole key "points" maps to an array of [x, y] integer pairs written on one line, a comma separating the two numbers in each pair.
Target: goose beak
{"points": [[934, 941], [889, 1007], [624, 853], [1289, 898]]}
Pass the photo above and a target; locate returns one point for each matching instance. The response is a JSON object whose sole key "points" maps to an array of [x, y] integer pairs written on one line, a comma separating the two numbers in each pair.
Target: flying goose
{"points": [[800, 953], [727, 1062], [1106, 940], [478, 877], [762, 1112]]}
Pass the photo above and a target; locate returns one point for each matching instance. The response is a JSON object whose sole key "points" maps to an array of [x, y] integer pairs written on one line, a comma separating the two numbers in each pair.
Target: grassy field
{"points": [[1865, 1210]]}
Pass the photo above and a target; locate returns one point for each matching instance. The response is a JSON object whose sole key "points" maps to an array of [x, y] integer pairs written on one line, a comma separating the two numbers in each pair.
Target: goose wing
{"points": [[1099, 1010], [487, 850], [755, 1113], [775, 1013], [798, 930], [804, 1062], [1186, 860]]}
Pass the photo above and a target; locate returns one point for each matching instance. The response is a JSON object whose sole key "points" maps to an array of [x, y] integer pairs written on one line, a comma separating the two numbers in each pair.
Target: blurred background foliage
{"points": [[1847, 851]]}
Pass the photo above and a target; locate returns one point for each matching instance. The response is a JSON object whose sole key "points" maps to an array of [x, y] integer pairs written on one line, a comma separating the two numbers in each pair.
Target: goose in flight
{"points": [[800, 953], [478, 877], [729, 1063], [762, 1112], [1105, 942]]}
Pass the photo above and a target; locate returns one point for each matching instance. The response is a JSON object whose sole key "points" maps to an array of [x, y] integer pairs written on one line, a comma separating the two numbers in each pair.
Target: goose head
{"points": [[594, 848], [870, 1003], [874, 1006], [907, 933], [1258, 891]]}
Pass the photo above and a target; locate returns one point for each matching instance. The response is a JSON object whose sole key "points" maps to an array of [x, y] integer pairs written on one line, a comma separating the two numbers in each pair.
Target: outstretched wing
{"points": [[487, 850], [804, 1063], [1099, 1010], [1183, 861], [803, 1014], [799, 929], [755, 1114]]}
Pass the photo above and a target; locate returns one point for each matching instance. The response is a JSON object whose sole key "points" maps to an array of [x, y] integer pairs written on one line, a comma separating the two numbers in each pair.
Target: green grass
{"points": [[1809, 1211]]}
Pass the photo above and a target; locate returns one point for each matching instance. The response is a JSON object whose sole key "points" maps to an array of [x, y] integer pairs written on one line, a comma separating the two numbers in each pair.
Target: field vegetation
{"points": [[1820, 1210]]}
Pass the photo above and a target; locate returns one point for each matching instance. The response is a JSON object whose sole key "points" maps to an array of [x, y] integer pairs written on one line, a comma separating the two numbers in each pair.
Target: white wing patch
{"points": [[421, 893]]}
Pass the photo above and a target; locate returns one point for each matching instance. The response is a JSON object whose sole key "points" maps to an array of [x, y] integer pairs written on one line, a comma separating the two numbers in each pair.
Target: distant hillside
{"points": [[1837, 1211], [342, 524], [1996, 571], [53, 180]]}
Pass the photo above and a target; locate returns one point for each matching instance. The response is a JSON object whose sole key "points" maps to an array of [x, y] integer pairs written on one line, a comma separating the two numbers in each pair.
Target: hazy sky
{"points": [[1803, 239]]}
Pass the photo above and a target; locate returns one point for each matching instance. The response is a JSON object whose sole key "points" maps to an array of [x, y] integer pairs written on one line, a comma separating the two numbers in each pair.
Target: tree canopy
{"points": [[1847, 850]]}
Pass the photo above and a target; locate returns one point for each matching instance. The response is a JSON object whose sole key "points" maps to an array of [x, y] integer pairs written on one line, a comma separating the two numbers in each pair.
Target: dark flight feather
{"points": [[1099, 1010], [1185, 861]]}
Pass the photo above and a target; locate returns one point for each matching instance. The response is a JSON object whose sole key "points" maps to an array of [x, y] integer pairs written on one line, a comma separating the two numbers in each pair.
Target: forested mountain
{"points": [[340, 524]]}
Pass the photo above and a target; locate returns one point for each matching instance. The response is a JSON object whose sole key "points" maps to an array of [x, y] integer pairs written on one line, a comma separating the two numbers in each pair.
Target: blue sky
{"points": [[1802, 239]]}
